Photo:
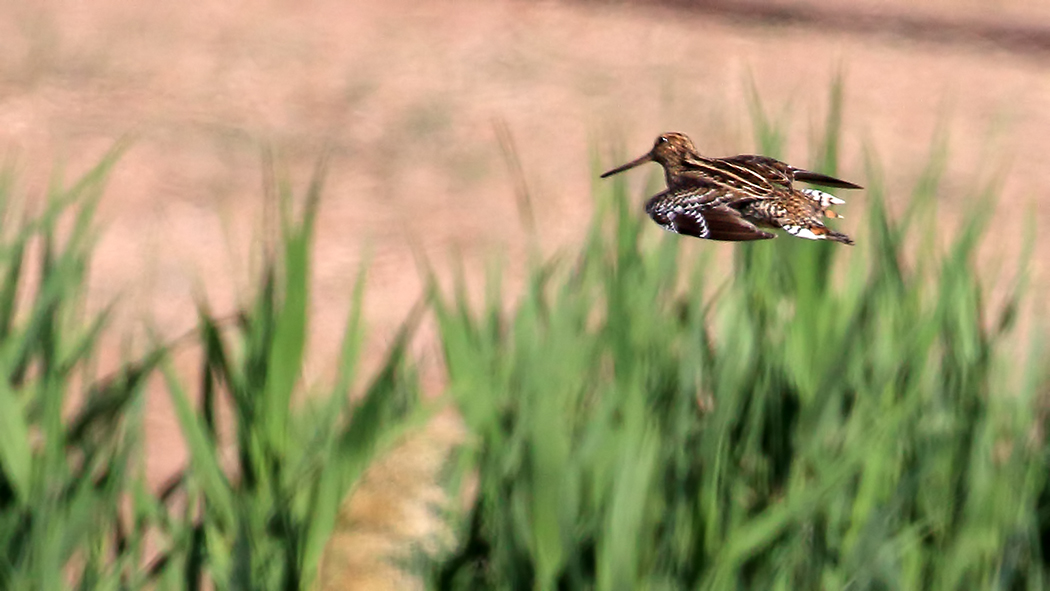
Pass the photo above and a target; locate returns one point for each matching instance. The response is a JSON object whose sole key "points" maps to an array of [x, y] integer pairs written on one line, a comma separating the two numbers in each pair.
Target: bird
{"points": [[732, 198]]}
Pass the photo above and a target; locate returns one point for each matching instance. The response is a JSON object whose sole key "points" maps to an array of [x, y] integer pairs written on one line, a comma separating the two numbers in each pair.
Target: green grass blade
{"points": [[16, 456], [204, 456]]}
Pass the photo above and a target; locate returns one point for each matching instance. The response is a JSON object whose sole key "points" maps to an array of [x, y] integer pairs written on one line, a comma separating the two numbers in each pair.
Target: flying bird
{"points": [[733, 198]]}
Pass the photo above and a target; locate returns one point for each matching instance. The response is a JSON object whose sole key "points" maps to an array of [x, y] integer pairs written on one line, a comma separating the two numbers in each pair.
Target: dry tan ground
{"points": [[405, 94]]}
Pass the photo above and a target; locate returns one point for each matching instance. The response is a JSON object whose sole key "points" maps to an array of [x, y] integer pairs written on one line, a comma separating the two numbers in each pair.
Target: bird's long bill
{"points": [[629, 165]]}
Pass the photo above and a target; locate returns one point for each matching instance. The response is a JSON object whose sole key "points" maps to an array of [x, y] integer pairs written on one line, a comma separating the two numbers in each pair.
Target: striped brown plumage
{"points": [[732, 198]]}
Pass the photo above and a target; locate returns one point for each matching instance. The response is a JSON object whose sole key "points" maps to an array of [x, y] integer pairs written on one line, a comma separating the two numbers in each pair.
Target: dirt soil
{"points": [[407, 95]]}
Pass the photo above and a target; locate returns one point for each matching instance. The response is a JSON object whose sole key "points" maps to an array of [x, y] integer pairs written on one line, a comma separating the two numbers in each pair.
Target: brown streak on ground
{"points": [[396, 508]]}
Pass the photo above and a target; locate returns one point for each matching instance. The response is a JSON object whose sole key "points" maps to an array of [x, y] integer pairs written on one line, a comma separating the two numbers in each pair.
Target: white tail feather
{"points": [[803, 232], [824, 199]]}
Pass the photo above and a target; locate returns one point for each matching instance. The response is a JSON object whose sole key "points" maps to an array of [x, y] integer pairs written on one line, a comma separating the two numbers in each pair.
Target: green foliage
{"points": [[75, 511], [266, 527], [63, 471], [822, 418]]}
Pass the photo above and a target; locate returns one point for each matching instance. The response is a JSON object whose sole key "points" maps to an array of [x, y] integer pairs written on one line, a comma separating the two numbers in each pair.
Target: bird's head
{"points": [[668, 150]]}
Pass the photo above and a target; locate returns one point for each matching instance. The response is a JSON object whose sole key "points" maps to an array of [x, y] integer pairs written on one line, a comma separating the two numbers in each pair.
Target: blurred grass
{"points": [[266, 524], [75, 511], [822, 418], [64, 472]]}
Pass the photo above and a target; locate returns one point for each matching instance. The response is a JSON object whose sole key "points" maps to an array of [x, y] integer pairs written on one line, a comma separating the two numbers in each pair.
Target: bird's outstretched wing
{"points": [[704, 213]]}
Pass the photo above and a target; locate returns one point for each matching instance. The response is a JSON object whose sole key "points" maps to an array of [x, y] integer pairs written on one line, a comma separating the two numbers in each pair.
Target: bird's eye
{"points": [[663, 139]]}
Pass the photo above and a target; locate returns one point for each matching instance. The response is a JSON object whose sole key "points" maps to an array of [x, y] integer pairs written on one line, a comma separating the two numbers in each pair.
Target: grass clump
{"points": [[266, 524], [641, 421], [75, 510], [65, 450]]}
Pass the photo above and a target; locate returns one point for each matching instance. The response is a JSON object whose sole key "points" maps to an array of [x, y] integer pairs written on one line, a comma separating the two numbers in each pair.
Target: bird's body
{"points": [[731, 198]]}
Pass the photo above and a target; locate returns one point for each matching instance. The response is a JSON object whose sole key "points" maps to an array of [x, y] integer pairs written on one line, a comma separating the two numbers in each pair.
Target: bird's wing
{"points": [[783, 174], [815, 178], [770, 169], [729, 174], [704, 213]]}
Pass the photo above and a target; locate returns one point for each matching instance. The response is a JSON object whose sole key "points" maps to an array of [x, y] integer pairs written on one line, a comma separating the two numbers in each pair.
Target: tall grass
{"points": [[62, 478], [821, 418], [75, 511], [265, 525]]}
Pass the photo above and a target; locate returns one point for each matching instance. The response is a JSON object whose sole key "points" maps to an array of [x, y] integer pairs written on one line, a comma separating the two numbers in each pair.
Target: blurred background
{"points": [[409, 99]]}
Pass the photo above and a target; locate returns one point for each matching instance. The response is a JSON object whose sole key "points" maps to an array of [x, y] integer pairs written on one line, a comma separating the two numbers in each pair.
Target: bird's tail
{"points": [[837, 237], [823, 201], [814, 230]]}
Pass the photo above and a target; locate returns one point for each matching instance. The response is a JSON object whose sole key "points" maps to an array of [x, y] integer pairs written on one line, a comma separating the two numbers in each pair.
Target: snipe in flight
{"points": [[731, 198]]}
